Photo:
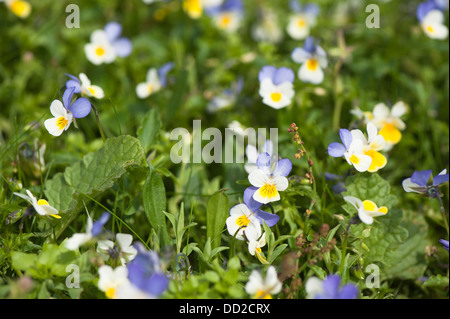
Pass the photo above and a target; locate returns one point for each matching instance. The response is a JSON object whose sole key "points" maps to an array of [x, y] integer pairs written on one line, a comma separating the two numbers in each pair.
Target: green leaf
{"points": [[437, 281], [151, 124], [216, 216], [91, 176], [154, 200]]}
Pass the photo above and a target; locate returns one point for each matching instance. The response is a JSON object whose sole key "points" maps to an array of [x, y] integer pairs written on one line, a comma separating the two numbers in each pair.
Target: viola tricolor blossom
{"points": [[367, 209], [227, 98], [330, 288], [20, 8], [431, 18], [269, 182], [65, 112], [389, 122], [263, 288], [93, 230], [111, 280], [313, 60], [83, 85], [252, 155], [155, 80], [359, 151], [419, 182], [228, 15], [444, 243], [107, 44], [276, 86], [255, 242], [303, 19], [241, 218], [41, 206], [121, 249]]}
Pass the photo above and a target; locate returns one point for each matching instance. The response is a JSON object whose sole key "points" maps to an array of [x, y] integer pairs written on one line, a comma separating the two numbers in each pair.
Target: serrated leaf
{"points": [[216, 216]]}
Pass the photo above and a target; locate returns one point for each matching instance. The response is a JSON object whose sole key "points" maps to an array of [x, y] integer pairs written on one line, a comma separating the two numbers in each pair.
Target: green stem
{"points": [[98, 123], [444, 216], [344, 252]]}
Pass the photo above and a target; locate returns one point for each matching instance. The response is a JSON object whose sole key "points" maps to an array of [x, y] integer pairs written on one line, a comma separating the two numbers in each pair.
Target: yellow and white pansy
{"points": [[276, 86], [255, 242], [263, 288], [389, 122], [269, 182], [367, 209], [313, 60], [88, 89], [433, 25], [228, 21], [240, 220], [300, 24], [110, 280], [371, 146], [100, 50], [41, 206], [150, 86], [20, 8], [61, 120]]}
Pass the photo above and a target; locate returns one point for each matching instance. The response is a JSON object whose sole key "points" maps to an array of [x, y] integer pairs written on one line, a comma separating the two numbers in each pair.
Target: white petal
{"points": [[409, 186], [313, 287], [281, 183], [364, 217], [52, 128], [364, 163], [354, 201], [57, 109], [258, 178], [77, 240], [96, 91], [399, 109], [306, 75], [142, 90], [84, 80]]}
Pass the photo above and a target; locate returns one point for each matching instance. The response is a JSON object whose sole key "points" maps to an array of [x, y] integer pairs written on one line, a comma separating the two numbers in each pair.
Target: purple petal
{"points": [[311, 8], [295, 6], [309, 45], [331, 285], [268, 218], [67, 97], [156, 284], [80, 108], [267, 71], [74, 84], [349, 291], [444, 243], [283, 167], [252, 204], [113, 31], [346, 137], [162, 72], [440, 179], [283, 75], [123, 47], [98, 225], [232, 5], [423, 9], [336, 149], [421, 177], [263, 161], [239, 85]]}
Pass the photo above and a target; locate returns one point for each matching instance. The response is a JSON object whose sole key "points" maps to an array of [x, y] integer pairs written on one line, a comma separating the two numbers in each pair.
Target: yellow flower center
{"points": [[100, 51], [61, 122], [42, 202], [242, 221], [354, 159], [261, 294], [150, 88], [390, 133], [268, 190], [225, 20], [430, 28], [312, 64], [21, 9], [301, 23], [111, 293], [91, 90], [276, 97]]}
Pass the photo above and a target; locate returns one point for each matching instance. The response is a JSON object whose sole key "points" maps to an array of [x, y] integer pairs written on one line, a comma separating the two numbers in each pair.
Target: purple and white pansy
{"points": [[276, 86]]}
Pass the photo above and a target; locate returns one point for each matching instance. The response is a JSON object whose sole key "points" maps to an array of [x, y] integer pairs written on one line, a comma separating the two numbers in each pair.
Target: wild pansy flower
{"points": [[107, 44], [110, 280], [83, 85], [352, 150], [255, 242], [371, 146], [263, 288], [303, 19], [389, 122], [313, 59], [93, 230], [228, 15], [267, 181], [120, 249], [227, 98], [330, 288], [367, 209], [240, 220], [252, 155], [41, 206], [276, 86], [20, 8], [419, 183], [145, 273], [267, 28], [444, 243], [432, 19], [155, 80], [65, 113]]}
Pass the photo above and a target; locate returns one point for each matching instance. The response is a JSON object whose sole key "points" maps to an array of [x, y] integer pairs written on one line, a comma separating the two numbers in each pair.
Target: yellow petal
{"points": [[378, 160], [390, 133], [22, 9]]}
